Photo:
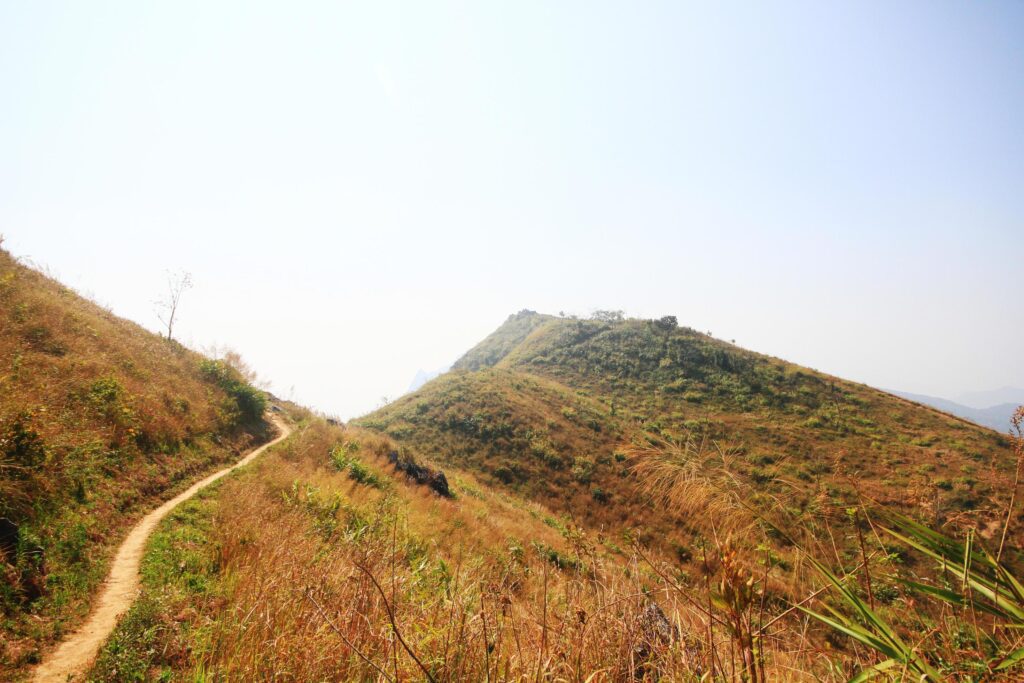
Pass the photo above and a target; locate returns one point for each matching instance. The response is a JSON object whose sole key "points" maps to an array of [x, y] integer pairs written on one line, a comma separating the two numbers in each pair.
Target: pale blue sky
{"points": [[364, 189]]}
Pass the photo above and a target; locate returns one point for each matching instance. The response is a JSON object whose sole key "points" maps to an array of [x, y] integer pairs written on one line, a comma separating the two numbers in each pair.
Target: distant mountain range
{"points": [[1000, 405], [423, 376], [992, 397]]}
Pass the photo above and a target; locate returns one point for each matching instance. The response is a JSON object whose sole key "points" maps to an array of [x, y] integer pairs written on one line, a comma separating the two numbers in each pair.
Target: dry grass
{"points": [[547, 408], [692, 477], [98, 419], [308, 575]]}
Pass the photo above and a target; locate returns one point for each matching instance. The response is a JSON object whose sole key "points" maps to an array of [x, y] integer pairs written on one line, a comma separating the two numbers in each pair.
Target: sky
{"points": [[364, 189]]}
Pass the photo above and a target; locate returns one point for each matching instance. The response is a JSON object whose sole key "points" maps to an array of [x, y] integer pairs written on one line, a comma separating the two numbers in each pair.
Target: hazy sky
{"points": [[363, 189]]}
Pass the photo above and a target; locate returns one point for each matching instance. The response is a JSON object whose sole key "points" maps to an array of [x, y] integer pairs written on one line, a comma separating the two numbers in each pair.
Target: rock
{"points": [[8, 539], [421, 474], [656, 632], [439, 483]]}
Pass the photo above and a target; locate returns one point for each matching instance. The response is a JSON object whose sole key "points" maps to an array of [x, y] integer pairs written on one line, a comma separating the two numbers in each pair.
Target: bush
{"points": [[249, 403], [21, 448], [667, 323], [583, 470], [344, 461]]}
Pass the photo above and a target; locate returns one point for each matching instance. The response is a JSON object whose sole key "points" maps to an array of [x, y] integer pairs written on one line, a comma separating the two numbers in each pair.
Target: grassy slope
{"points": [[98, 420], [490, 586], [557, 402], [483, 586]]}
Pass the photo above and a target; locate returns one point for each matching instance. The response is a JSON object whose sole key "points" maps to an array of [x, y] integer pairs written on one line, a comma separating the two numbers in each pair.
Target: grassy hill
{"points": [[322, 562], [560, 409], [589, 528], [747, 475], [621, 500], [99, 419]]}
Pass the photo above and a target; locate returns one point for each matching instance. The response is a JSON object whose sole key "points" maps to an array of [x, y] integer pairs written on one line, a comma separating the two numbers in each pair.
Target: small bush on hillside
{"points": [[583, 470], [608, 316], [21, 448], [109, 400], [249, 402], [344, 461], [667, 323], [22, 455], [40, 338], [505, 475]]}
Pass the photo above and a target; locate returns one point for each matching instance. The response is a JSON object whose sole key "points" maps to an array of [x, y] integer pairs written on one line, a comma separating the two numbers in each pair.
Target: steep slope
{"points": [[551, 406], [98, 420]]}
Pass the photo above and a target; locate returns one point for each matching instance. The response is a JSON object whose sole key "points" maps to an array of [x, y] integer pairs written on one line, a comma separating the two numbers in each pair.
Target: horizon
{"points": [[979, 398], [366, 191]]}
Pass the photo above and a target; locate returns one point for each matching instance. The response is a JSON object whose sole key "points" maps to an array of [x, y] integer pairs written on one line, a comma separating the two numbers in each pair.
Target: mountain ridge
{"points": [[550, 407], [995, 417]]}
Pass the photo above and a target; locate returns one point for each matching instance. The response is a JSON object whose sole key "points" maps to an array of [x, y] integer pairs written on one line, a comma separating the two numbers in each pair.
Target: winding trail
{"points": [[76, 652]]}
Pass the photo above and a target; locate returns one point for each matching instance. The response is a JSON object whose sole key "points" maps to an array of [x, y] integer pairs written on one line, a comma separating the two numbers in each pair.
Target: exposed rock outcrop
{"points": [[421, 474]]}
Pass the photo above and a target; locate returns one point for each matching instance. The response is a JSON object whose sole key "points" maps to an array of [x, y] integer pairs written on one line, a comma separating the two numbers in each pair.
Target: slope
{"points": [[553, 407], [323, 562], [98, 420], [331, 560]]}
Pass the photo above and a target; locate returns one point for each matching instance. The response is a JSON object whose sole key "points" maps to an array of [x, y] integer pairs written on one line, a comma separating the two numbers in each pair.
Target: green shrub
{"points": [[504, 474], [583, 470], [343, 460], [248, 402]]}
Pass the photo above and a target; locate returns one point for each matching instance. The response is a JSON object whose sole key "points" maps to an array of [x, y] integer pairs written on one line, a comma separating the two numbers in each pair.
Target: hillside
{"points": [[323, 562], [99, 419], [326, 560], [555, 408], [620, 500]]}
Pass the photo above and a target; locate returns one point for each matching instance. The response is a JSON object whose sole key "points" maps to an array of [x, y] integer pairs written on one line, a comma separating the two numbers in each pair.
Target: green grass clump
{"points": [[344, 460]]}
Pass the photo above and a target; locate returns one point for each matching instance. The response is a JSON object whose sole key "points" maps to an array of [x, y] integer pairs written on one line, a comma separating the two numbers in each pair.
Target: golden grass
{"points": [[98, 420], [600, 421], [321, 578]]}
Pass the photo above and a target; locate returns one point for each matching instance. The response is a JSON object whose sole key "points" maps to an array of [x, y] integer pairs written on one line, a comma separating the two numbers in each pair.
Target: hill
{"points": [[327, 560], [620, 500], [996, 417], [992, 397], [99, 419], [323, 561], [558, 409]]}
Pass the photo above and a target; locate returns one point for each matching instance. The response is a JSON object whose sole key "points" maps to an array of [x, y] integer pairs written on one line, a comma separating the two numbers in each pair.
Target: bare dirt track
{"points": [[76, 652]]}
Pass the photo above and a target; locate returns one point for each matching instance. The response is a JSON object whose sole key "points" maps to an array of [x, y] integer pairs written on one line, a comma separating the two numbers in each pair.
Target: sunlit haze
{"points": [[363, 190]]}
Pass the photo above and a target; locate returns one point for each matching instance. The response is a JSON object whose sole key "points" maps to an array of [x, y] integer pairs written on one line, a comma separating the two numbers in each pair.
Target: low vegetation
{"points": [[585, 500], [99, 420], [549, 407], [298, 570], [294, 569]]}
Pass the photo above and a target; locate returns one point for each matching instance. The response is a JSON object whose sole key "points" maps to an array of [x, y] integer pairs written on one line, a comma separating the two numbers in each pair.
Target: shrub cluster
{"points": [[249, 403]]}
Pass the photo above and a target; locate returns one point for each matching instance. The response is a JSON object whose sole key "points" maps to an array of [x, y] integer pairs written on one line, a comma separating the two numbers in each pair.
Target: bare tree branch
{"points": [[167, 308]]}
